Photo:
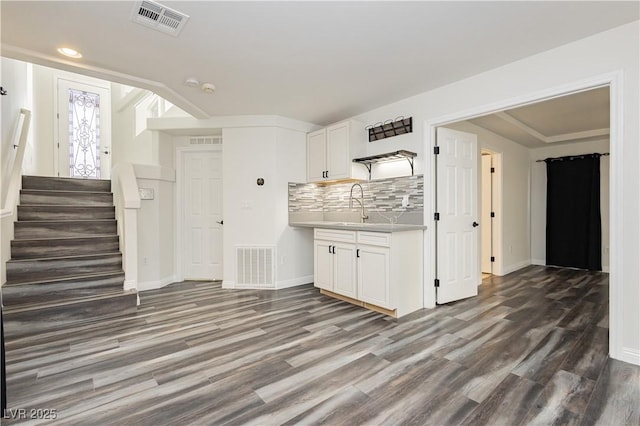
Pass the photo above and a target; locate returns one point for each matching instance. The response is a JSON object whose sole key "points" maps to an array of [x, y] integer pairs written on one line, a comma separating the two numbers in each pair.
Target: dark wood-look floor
{"points": [[530, 349]]}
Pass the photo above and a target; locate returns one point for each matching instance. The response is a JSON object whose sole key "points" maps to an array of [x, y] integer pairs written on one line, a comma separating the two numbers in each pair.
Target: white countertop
{"points": [[356, 226]]}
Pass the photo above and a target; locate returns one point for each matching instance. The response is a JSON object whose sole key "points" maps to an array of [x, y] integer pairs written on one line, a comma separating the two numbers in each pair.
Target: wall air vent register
{"points": [[159, 17]]}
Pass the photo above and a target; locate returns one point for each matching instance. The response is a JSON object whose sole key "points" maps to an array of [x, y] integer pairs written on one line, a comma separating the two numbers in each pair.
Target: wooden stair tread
{"points": [[106, 274], [67, 302], [66, 221], [63, 178], [78, 257], [56, 191], [88, 237]]}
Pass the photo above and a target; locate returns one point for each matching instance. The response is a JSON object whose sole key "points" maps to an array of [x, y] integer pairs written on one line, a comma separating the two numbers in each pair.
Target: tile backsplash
{"points": [[382, 200]]}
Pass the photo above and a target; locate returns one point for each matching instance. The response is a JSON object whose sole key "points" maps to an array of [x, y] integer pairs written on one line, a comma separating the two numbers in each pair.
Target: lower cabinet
{"points": [[373, 276], [372, 269], [335, 267]]}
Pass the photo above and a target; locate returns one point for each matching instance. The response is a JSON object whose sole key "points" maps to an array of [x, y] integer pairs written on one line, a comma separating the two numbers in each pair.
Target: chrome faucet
{"points": [[363, 216]]}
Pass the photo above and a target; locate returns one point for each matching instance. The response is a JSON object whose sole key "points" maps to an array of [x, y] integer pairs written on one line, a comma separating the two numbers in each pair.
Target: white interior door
{"points": [[84, 130], [485, 217], [201, 189], [457, 229]]}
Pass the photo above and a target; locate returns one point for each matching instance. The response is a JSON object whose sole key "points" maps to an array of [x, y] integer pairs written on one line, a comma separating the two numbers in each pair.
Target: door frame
{"points": [[179, 236], [614, 80], [76, 78], [498, 208]]}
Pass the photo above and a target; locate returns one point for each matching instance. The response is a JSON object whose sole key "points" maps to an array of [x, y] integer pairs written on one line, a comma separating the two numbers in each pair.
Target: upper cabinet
{"points": [[330, 152]]}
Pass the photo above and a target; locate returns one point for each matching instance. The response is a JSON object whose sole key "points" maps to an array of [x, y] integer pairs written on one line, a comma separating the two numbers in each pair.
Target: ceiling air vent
{"points": [[205, 140], [159, 17]]}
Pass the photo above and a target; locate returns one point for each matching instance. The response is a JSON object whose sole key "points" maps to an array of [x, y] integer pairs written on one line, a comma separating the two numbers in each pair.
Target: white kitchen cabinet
{"points": [[378, 270], [373, 276], [335, 262], [323, 265], [330, 152], [316, 155]]}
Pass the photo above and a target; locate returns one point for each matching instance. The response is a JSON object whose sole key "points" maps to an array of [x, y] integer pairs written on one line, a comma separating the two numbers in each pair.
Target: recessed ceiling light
{"points": [[192, 82], [71, 53]]}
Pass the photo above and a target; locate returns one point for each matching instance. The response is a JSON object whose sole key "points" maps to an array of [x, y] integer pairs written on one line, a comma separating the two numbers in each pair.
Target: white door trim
{"points": [[615, 82], [178, 240]]}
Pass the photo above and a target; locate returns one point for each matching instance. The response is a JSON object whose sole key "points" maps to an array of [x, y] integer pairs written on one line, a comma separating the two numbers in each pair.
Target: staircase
{"points": [[66, 264]]}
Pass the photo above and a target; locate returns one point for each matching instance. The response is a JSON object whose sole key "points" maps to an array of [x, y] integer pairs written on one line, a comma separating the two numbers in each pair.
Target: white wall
{"points": [[612, 54], [15, 76], [513, 217], [156, 224], [127, 145], [539, 195], [295, 245], [15, 80], [257, 215]]}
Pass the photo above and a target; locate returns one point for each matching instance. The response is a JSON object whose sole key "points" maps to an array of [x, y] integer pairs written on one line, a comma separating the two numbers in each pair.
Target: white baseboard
{"points": [[130, 285], [279, 284], [632, 356], [153, 285], [294, 282], [544, 263], [516, 266]]}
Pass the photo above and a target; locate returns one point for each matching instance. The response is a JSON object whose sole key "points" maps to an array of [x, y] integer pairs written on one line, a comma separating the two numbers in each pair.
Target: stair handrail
{"points": [[19, 142], [127, 203]]}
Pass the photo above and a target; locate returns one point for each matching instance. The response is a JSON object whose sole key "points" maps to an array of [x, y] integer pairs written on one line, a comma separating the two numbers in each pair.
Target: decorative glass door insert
{"points": [[84, 134]]}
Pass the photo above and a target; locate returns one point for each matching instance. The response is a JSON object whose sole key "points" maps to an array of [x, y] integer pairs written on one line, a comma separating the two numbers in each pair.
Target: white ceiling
{"points": [[579, 117], [312, 61]]}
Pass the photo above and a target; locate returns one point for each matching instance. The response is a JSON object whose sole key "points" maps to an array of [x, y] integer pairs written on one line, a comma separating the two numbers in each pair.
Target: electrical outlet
{"points": [[145, 260], [283, 260]]}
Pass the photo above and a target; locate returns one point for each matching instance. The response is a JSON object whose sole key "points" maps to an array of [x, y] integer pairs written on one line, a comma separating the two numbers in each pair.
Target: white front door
{"points": [[201, 215], [457, 230], [84, 130]]}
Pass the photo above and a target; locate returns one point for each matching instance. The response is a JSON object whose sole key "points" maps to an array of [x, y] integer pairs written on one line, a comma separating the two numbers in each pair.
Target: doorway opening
{"points": [[592, 140], [486, 214]]}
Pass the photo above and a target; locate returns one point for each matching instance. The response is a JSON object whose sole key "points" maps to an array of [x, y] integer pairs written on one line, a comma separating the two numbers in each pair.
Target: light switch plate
{"points": [[405, 200], [145, 193]]}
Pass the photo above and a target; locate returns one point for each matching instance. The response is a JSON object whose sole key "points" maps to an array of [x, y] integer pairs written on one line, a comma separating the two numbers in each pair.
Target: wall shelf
{"points": [[383, 158], [390, 128]]}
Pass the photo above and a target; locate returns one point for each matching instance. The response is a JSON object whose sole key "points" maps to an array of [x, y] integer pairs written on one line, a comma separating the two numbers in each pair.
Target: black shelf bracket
{"points": [[389, 156]]}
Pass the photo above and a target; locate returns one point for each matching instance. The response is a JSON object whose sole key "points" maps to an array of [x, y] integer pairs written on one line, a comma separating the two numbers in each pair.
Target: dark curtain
{"points": [[573, 212]]}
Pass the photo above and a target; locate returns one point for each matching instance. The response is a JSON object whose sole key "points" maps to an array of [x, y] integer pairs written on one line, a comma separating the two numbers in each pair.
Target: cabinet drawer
{"points": [[335, 235], [382, 239]]}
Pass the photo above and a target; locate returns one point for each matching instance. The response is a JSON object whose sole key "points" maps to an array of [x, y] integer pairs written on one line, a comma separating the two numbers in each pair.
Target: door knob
{"points": [[474, 224], [221, 222]]}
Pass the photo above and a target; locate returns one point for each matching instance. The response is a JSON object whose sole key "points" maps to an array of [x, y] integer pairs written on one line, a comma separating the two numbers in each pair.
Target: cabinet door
{"points": [[344, 264], [338, 159], [316, 155], [373, 276], [323, 265]]}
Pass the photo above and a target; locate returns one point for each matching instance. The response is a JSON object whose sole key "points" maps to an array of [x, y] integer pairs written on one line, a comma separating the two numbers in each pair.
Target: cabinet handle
{"points": [[357, 252], [329, 249], [327, 173], [334, 249], [323, 174]]}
